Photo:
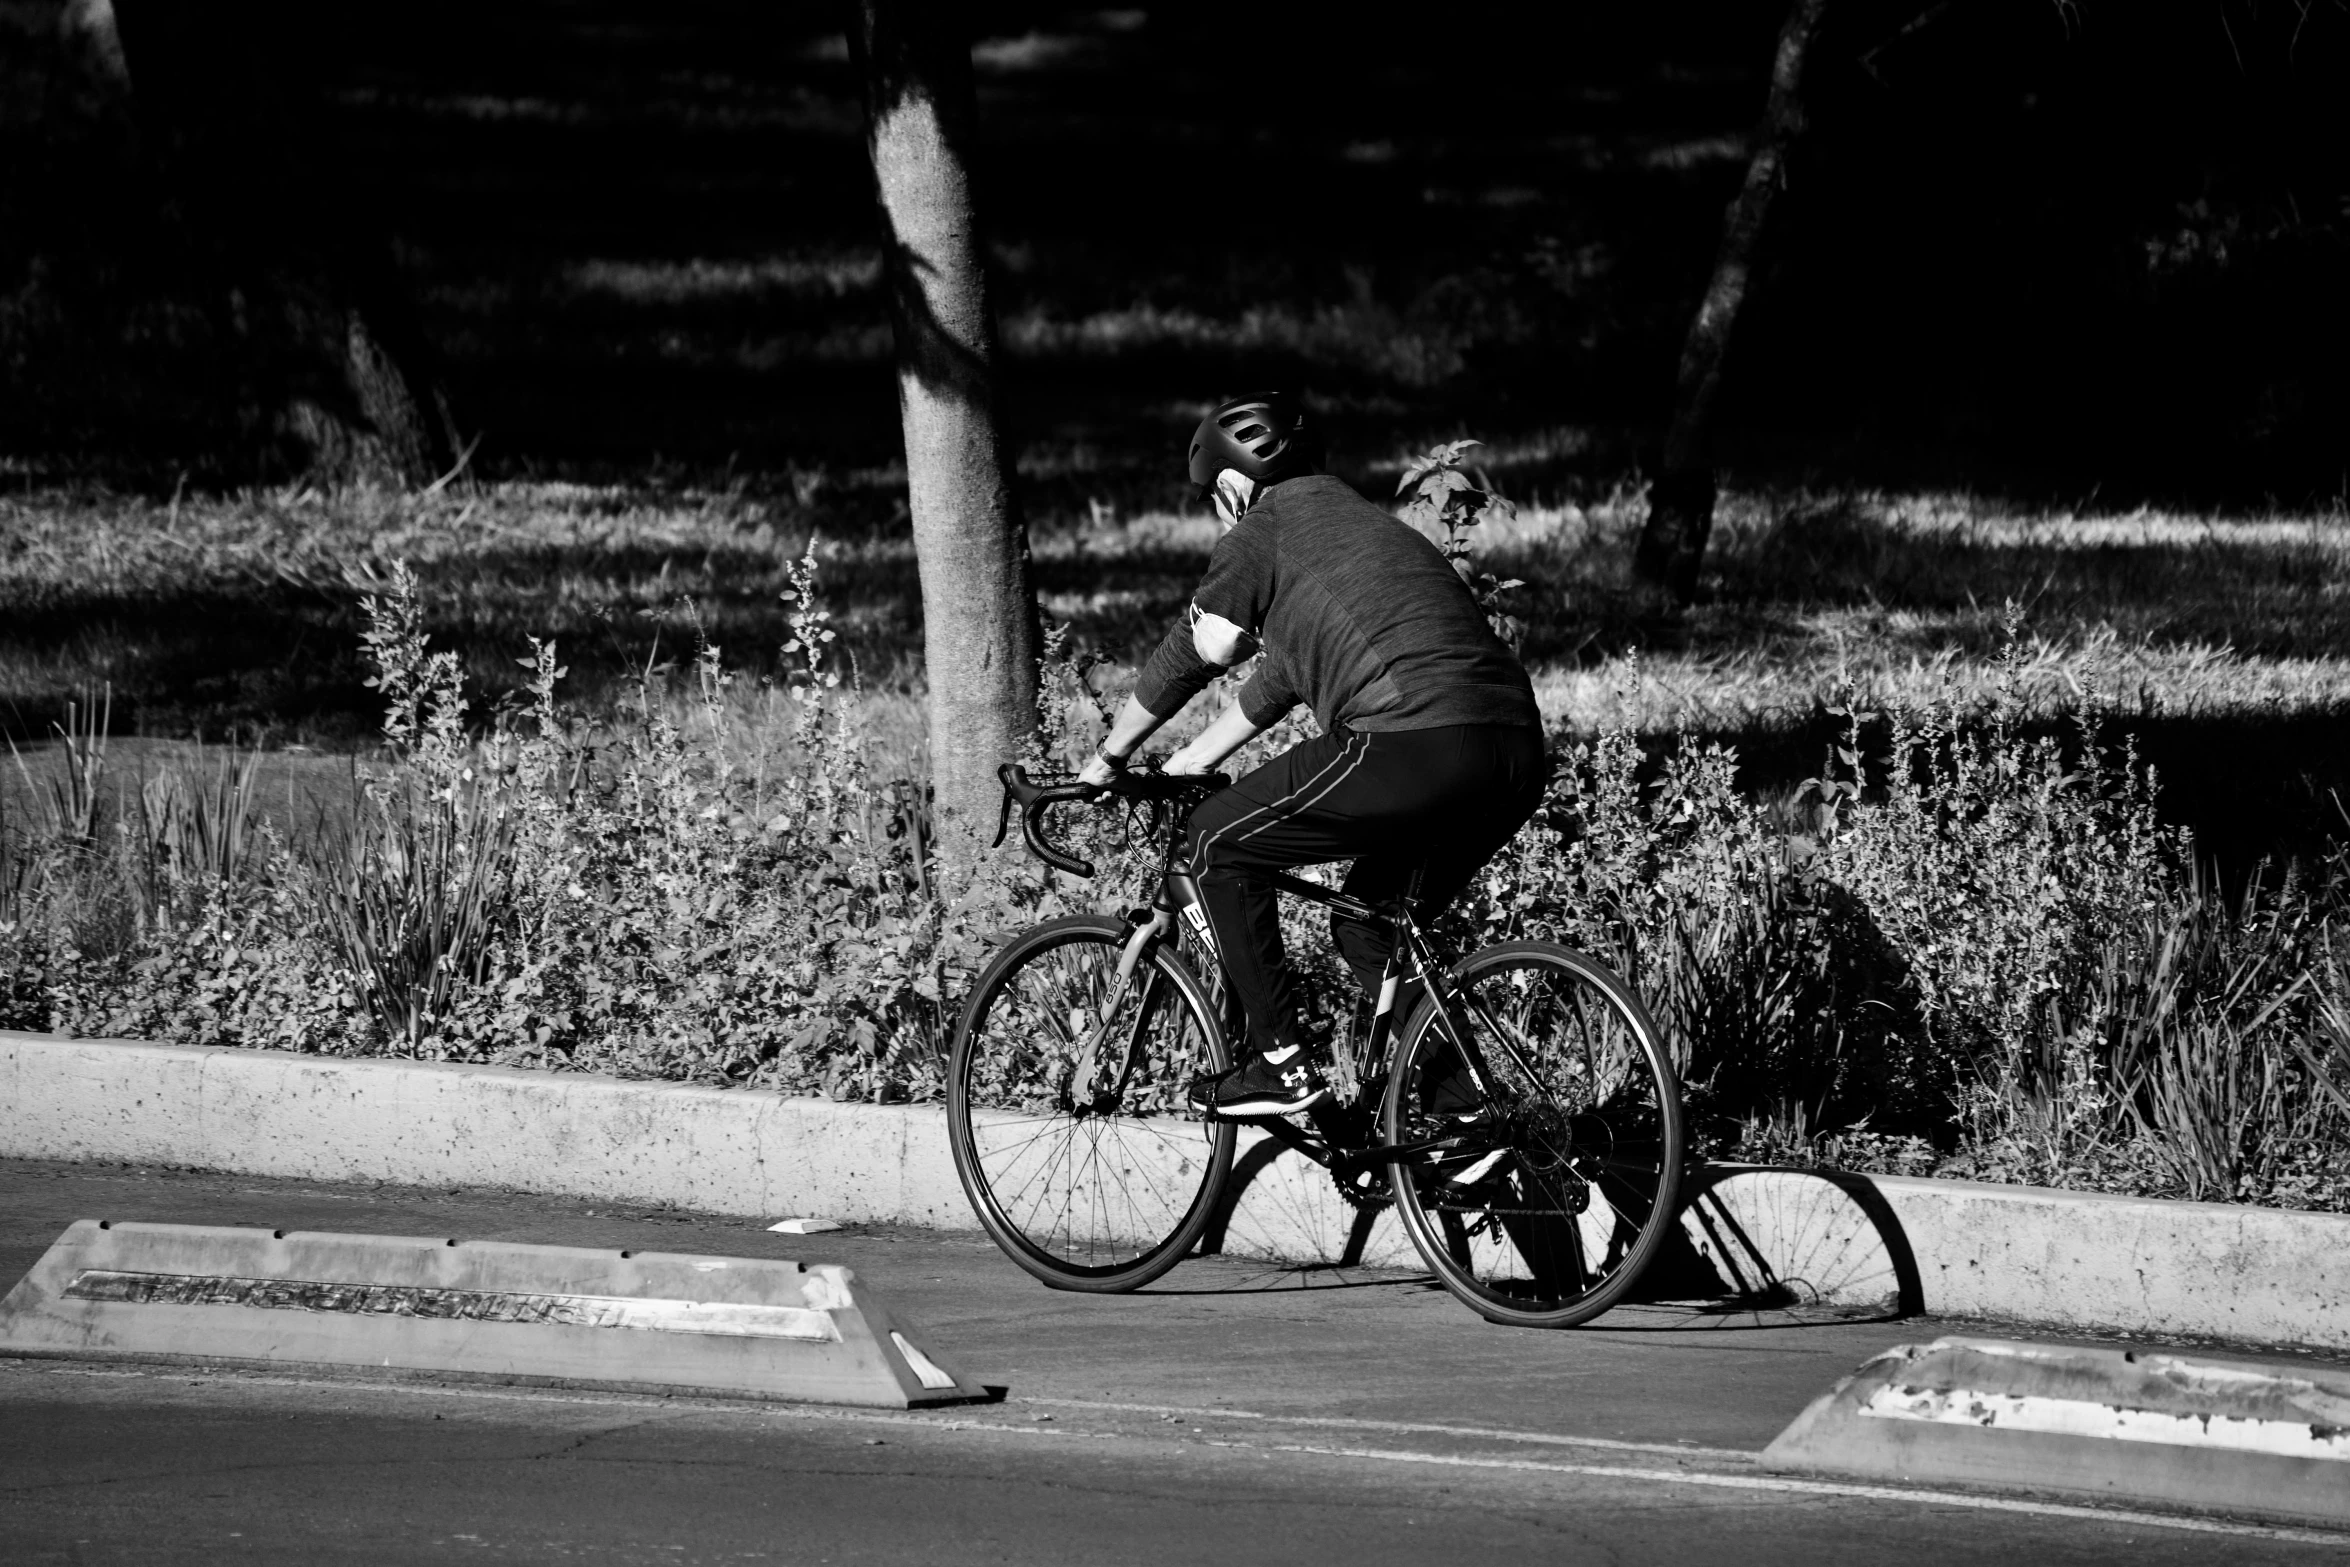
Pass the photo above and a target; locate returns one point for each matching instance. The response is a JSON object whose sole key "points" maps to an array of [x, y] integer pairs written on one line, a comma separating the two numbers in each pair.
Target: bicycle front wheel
{"points": [[1538, 1199], [1067, 1106]]}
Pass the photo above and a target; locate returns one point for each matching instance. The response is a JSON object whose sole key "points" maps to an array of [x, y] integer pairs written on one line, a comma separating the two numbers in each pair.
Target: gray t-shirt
{"points": [[1361, 618]]}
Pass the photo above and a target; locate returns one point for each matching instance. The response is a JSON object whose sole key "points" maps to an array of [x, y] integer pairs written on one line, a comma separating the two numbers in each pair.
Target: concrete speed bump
{"points": [[2207, 1435], [564, 1315]]}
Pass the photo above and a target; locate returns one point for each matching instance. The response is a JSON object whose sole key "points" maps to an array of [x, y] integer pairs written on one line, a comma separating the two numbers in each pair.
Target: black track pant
{"points": [[1443, 799]]}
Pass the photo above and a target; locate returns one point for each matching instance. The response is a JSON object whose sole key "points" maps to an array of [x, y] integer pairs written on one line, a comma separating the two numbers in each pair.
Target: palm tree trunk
{"points": [[980, 636], [1681, 498]]}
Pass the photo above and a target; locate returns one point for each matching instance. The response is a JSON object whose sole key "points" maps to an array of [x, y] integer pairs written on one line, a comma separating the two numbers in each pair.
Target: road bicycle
{"points": [[1524, 1119]]}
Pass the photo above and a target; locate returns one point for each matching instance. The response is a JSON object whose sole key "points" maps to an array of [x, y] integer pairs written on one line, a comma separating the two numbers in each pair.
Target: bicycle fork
{"points": [[1178, 897], [1086, 1060]]}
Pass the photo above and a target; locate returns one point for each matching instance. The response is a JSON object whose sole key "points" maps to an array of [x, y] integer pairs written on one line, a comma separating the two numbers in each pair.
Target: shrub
{"points": [[1780, 998], [1965, 946], [2002, 869]]}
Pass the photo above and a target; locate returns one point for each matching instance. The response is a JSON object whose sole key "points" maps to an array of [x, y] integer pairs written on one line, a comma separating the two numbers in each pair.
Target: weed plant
{"points": [[1965, 947]]}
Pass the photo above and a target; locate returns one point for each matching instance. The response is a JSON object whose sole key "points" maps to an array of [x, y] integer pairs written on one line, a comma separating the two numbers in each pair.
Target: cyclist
{"points": [[1430, 755]]}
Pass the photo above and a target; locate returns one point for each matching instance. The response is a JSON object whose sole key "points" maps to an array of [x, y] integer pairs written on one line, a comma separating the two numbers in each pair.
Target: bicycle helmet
{"points": [[1264, 436]]}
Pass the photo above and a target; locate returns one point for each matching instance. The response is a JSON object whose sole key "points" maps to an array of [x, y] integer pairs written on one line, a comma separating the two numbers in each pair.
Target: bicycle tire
{"points": [[1550, 1203], [1107, 1196]]}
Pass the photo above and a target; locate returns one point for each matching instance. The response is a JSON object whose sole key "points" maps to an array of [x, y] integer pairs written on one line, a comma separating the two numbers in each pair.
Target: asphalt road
{"points": [[1232, 1414]]}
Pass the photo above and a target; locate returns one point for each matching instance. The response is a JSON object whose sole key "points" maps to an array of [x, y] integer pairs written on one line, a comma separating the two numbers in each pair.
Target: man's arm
{"points": [[1239, 579], [1135, 724], [1231, 730], [1219, 643]]}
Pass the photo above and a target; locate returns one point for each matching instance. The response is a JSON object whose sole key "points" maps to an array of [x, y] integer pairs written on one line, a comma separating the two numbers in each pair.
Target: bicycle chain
{"points": [[1367, 1190]]}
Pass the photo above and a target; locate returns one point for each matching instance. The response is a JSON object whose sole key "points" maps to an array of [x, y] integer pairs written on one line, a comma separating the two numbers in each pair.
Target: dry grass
{"points": [[2163, 614], [237, 614]]}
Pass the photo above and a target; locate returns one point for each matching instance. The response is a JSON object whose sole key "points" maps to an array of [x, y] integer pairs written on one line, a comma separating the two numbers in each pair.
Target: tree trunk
{"points": [[980, 638], [233, 287], [1681, 499]]}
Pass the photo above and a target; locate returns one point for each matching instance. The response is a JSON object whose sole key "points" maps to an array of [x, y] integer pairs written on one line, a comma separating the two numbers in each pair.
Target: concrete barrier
{"points": [[2116, 1425], [1854, 1243], [743, 1327]]}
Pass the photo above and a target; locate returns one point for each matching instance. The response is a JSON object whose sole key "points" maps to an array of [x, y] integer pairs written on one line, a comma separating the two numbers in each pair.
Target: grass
{"points": [[2219, 642]]}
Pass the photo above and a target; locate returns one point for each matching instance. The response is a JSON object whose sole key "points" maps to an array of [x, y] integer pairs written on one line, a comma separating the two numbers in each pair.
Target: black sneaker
{"points": [[1261, 1086]]}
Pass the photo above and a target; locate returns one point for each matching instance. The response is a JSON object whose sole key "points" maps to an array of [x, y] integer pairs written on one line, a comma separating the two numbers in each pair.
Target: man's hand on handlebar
{"points": [[1199, 758], [1135, 724], [1102, 770]]}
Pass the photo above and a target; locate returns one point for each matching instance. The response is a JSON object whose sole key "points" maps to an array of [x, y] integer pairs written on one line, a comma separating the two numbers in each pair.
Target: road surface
{"points": [[1236, 1413]]}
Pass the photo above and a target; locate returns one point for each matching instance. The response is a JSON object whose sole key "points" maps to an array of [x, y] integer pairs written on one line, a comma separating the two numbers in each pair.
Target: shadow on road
{"points": [[1756, 1247]]}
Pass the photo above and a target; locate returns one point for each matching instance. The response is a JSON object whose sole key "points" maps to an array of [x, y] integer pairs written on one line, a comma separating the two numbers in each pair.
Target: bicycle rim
{"points": [[1090, 1170], [1543, 1209]]}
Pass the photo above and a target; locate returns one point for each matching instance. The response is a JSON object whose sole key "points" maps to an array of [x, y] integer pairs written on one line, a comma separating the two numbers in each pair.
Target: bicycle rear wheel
{"points": [[1072, 1132], [1540, 1209]]}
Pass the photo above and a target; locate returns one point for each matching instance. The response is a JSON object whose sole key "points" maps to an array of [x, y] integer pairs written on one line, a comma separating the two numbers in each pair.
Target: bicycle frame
{"points": [[1524, 1118], [1346, 1143]]}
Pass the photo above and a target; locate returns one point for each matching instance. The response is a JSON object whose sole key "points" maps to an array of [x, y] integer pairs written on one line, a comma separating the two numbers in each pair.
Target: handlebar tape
{"points": [[1034, 798]]}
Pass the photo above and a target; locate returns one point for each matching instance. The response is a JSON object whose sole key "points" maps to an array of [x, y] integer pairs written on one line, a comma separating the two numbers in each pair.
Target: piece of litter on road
{"points": [[803, 1226]]}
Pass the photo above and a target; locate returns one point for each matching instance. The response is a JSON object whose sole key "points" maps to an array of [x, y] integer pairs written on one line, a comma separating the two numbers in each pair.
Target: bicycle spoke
{"points": [[1548, 1205], [1097, 1183]]}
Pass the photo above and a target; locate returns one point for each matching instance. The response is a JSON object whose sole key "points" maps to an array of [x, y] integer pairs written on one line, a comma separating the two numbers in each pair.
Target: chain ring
{"points": [[1371, 1195]]}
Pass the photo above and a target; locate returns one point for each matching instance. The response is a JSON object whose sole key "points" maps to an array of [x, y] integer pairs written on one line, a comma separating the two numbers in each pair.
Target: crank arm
{"points": [[1419, 1154], [1296, 1139]]}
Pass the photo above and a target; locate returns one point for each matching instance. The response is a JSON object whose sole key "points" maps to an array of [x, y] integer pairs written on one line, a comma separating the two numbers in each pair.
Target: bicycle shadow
{"points": [[1756, 1246], [1280, 1206], [1757, 1242]]}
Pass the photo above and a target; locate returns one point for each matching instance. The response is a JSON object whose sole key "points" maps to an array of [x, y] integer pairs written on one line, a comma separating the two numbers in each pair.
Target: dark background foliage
{"points": [[2027, 245]]}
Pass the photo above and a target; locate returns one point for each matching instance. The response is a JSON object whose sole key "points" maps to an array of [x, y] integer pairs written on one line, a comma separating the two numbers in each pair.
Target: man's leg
{"points": [[1276, 817], [1492, 780], [1391, 799], [1478, 785]]}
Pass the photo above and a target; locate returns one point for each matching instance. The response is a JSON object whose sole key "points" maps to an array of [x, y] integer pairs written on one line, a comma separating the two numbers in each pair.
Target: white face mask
{"points": [[1235, 493]]}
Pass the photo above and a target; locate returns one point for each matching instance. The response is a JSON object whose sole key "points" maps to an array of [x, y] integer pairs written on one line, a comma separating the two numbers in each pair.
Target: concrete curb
{"points": [[1766, 1237]]}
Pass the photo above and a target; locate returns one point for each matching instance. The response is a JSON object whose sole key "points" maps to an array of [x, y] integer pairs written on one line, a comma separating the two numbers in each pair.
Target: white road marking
{"points": [[1729, 1455], [939, 1421], [1874, 1493]]}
